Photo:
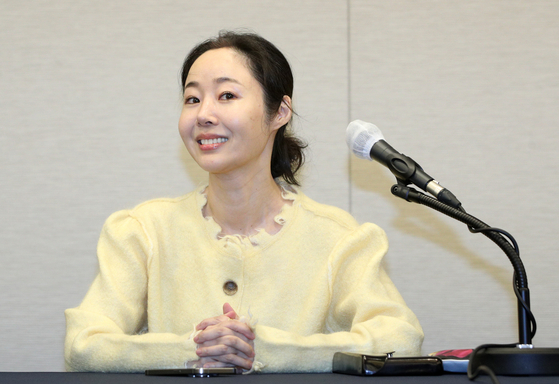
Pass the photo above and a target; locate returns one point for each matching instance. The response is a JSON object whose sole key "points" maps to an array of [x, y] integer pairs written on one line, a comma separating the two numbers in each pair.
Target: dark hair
{"points": [[271, 69]]}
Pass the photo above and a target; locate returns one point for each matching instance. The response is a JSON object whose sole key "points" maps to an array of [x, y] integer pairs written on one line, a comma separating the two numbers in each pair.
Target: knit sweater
{"points": [[316, 287]]}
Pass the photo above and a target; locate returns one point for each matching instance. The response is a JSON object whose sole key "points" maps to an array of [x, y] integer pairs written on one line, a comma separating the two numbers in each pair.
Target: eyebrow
{"points": [[219, 80]]}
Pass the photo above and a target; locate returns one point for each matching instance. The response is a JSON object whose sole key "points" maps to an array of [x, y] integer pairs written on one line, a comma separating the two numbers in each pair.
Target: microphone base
{"points": [[518, 361]]}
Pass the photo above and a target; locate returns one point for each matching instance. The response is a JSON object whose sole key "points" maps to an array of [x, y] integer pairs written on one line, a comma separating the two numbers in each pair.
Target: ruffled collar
{"points": [[261, 237]]}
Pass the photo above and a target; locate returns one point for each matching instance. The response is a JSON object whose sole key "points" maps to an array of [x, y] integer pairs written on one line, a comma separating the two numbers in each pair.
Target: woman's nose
{"points": [[206, 113]]}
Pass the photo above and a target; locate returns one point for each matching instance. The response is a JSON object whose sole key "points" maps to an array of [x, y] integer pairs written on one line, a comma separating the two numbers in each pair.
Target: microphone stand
{"points": [[513, 359]]}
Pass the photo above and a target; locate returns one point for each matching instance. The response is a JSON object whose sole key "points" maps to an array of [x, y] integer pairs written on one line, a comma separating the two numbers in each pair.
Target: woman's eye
{"points": [[191, 100], [226, 96]]}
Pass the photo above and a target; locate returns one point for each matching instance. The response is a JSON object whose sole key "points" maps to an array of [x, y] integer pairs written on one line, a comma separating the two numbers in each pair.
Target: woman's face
{"points": [[223, 121]]}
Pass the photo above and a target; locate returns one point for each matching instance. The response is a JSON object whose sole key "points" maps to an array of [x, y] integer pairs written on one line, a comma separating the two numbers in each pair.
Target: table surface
{"points": [[311, 378]]}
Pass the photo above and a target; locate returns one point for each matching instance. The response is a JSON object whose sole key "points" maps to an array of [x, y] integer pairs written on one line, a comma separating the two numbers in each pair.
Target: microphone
{"points": [[367, 142]]}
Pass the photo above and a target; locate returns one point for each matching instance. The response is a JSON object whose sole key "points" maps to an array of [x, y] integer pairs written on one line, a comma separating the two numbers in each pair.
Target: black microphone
{"points": [[367, 142]]}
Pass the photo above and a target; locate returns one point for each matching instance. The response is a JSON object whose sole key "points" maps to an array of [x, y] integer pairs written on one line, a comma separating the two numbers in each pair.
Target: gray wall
{"points": [[89, 103]]}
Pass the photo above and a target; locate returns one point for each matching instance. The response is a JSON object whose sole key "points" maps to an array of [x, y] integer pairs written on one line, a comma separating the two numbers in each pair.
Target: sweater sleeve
{"points": [[104, 333], [366, 313]]}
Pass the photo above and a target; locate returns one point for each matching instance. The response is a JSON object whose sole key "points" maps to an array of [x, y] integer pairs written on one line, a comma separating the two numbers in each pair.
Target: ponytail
{"points": [[287, 156]]}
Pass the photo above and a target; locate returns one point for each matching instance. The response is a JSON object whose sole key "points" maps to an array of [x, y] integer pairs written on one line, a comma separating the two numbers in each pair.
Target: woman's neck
{"points": [[242, 205]]}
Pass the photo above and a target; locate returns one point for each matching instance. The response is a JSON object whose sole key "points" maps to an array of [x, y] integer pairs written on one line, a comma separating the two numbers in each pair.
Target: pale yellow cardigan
{"points": [[314, 288]]}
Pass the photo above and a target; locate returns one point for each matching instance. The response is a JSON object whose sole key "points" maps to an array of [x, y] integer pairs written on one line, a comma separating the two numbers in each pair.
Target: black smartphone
{"points": [[195, 372], [385, 365]]}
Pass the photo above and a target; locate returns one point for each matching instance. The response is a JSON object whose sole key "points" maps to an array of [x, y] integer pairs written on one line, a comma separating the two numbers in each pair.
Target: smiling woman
{"points": [[272, 280], [224, 123]]}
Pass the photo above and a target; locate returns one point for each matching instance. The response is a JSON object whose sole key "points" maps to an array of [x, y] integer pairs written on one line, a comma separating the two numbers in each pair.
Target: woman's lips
{"points": [[208, 144]]}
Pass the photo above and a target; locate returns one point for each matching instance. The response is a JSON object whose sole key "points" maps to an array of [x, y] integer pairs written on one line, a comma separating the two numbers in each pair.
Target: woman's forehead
{"points": [[220, 63]]}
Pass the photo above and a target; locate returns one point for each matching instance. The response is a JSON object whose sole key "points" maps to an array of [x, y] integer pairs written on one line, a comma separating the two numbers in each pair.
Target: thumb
{"points": [[229, 311]]}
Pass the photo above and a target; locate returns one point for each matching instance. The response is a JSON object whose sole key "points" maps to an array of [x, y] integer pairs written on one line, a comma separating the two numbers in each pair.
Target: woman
{"points": [[246, 271]]}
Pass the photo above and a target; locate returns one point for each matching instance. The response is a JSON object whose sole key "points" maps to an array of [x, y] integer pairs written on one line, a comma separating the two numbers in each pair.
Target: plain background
{"points": [[89, 104]]}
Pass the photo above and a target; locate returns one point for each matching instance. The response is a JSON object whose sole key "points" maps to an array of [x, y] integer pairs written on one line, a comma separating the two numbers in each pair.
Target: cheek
{"points": [[185, 124], [258, 121]]}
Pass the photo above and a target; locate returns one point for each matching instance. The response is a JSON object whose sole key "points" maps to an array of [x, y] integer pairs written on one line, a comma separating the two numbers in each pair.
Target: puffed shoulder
{"points": [[120, 221], [139, 229], [369, 231], [367, 239], [155, 210]]}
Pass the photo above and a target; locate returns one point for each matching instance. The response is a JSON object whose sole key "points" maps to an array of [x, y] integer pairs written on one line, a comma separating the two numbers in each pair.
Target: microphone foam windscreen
{"points": [[361, 136]]}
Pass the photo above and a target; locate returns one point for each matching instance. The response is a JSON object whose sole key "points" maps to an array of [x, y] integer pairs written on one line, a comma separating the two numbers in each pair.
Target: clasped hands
{"points": [[224, 341]]}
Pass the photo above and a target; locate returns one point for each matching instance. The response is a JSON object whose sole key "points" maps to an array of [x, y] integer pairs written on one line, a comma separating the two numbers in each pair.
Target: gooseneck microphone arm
{"points": [[526, 321], [510, 359], [367, 142]]}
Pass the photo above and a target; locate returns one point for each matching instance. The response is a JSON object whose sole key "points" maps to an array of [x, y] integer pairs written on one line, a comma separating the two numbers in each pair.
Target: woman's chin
{"points": [[215, 167]]}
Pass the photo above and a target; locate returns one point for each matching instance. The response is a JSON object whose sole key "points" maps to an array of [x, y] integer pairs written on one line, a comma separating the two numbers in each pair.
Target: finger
{"points": [[215, 350], [212, 321], [222, 340], [223, 329], [224, 346], [229, 311], [237, 327], [203, 361], [240, 327], [214, 332], [228, 361], [231, 314]]}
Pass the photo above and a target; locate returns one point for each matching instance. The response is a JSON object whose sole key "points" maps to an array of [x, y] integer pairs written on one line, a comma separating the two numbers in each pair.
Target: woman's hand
{"points": [[225, 341]]}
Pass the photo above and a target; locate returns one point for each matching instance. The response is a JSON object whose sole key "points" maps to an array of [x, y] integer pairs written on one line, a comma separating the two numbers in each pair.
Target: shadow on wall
{"points": [[424, 223]]}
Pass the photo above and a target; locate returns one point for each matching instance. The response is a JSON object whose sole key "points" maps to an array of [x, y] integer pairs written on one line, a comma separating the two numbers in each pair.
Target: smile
{"points": [[212, 141]]}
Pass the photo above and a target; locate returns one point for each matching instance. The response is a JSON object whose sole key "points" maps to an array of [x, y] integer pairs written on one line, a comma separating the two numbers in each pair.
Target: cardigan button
{"points": [[230, 288]]}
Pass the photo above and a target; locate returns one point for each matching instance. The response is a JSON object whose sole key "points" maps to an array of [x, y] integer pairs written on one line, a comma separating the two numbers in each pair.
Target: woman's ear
{"points": [[284, 113]]}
